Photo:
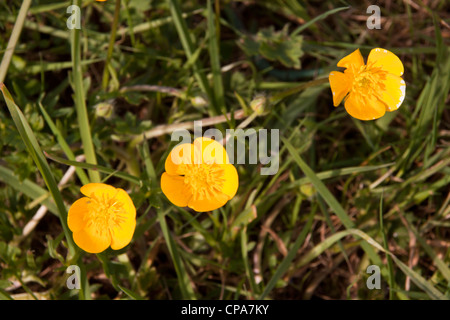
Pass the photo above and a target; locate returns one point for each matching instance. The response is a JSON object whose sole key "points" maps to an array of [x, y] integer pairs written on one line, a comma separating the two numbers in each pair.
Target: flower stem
{"points": [[104, 259]]}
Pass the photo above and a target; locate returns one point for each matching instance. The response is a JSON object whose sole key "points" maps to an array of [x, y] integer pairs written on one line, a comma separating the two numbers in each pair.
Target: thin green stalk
{"points": [[13, 39], [214, 55], [284, 266], [184, 282], [35, 151], [112, 40], [188, 47], [63, 144], [329, 199], [104, 259], [248, 271], [80, 102], [392, 287], [275, 98]]}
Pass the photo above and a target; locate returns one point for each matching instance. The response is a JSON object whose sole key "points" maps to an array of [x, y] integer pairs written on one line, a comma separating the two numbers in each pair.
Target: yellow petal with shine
{"points": [[231, 183], [354, 59], [364, 108], [77, 212], [181, 154], [122, 234], [92, 240], [97, 189], [128, 204], [340, 85], [211, 151], [385, 60], [175, 189], [209, 204], [394, 94]]}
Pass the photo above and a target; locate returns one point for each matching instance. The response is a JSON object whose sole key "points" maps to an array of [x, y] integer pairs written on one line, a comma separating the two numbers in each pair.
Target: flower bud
{"points": [[104, 110], [198, 101], [259, 104]]}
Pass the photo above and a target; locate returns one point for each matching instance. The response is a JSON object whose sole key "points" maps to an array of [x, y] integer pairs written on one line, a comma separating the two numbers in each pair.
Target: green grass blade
{"points": [[96, 167], [36, 153], [183, 278], [286, 263], [248, 271], [329, 199], [111, 45], [391, 281], [415, 277], [63, 144], [318, 18], [441, 265], [188, 47], [214, 55], [333, 239], [18, 25], [80, 101], [28, 187]]}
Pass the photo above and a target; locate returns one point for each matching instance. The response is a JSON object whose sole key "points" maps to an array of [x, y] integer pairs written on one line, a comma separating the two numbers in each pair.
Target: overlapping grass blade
{"points": [[286, 263], [189, 50], [28, 187], [318, 18], [36, 153], [214, 55], [18, 25], [96, 167], [63, 144], [329, 199], [183, 279], [421, 282], [80, 101]]}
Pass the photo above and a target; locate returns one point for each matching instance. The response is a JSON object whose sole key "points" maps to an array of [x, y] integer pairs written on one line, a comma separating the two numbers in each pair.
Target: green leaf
{"points": [[275, 46]]}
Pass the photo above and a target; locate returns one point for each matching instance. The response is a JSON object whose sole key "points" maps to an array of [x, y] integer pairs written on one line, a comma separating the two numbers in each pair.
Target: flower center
{"points": [[204, 180], [105, 213], [369, 80]]}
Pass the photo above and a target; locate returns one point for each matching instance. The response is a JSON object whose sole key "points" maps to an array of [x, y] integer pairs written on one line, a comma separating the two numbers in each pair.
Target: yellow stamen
{"points": [[204, 180], [105, 213], [368, 80]]}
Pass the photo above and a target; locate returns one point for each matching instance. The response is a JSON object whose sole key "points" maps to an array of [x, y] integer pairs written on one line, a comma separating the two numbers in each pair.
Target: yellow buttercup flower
{"points": [[199, 176], [369, 89], [105, 217]]}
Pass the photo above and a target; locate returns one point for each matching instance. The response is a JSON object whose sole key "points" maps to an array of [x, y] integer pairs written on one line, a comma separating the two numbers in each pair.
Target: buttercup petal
{"points": [[209, 204], [364, 108], [385, 60], [175, 189], [394, 94], [181, 154], [92, 240], [97, 189], [77, 212], [340, 85], [211, 151], [122, 234], [354, 59], [128, 205], [231, 183]]}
